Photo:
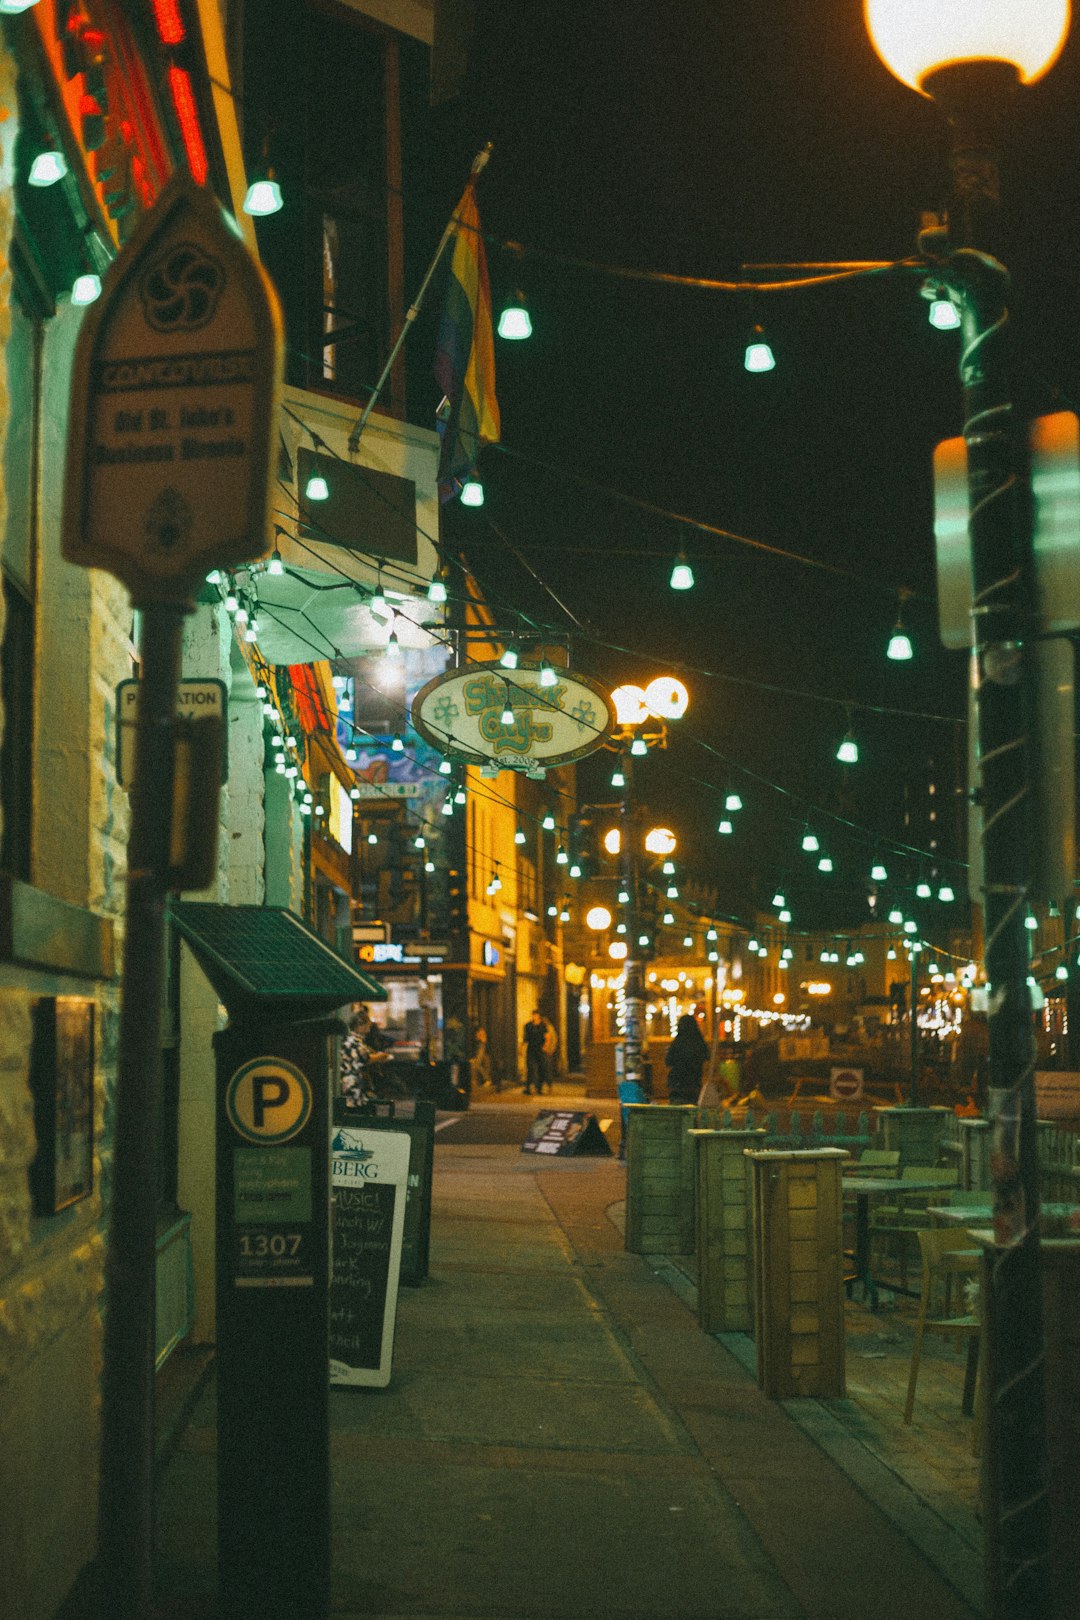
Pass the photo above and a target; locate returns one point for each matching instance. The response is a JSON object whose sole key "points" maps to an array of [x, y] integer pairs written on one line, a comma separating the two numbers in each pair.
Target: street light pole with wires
{"points": [[641, 724]]}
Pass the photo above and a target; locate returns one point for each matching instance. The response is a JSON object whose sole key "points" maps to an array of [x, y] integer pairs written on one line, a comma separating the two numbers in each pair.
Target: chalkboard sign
{"points": [[379, 1115], [368, 1172], [559, 1131]]}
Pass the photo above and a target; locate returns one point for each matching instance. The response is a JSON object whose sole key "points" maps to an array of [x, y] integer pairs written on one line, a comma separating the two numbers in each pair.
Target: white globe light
{"points": [[660, 840], [630, 705], [667, 698], [598, 918], [914, 37]]}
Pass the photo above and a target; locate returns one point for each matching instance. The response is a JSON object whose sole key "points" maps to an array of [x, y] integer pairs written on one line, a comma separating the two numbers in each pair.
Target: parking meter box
{"points": [[273, 1218]]}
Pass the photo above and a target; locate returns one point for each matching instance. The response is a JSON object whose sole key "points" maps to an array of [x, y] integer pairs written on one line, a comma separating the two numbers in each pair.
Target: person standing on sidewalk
{"points": [[686, 1058], [534, 1036]]}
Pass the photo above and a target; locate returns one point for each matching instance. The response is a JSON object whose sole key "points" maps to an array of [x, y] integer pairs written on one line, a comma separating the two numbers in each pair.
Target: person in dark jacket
{"points": [[686, 1058]]}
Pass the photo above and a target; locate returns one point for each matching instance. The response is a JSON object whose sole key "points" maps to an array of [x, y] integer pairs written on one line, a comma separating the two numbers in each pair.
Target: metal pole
{"points": [[913, 1078], [478, 164], [125, 1528], [634, 993], [1016, 1500]]}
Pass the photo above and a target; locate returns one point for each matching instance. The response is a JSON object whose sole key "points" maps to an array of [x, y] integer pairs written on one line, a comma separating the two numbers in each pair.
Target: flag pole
{"points": [[478, 164]]}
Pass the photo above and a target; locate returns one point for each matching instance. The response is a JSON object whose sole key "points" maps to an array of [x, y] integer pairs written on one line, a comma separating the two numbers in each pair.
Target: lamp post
{"points": [[641, 718], [970, 58]]}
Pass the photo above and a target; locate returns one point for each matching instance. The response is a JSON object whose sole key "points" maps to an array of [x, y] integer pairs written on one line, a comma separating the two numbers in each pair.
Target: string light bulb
{"points": [[263, 197], [848, 751], [548, 677], [86, 289], [682, 575], [514, 322], [47, 168], [316, 488], [472, 492], [759, 356]]}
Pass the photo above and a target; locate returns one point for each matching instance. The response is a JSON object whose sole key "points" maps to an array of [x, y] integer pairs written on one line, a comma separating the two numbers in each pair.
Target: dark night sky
{"points": [[690, 138]]}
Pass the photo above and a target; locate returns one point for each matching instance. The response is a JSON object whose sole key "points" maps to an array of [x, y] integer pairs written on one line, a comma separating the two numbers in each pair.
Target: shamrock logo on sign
{"points": [[180, 291]]}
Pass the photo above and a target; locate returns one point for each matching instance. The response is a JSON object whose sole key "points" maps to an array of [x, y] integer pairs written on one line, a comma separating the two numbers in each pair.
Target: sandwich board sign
{"points": [[175, 389], [369, 1175]]}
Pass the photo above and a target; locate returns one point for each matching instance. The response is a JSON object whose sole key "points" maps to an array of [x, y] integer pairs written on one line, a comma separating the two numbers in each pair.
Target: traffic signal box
{"points": [[281, 984]]}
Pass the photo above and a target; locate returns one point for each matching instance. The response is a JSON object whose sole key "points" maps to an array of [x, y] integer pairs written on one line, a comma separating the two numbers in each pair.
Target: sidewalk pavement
{"points": [[560, 1441]]}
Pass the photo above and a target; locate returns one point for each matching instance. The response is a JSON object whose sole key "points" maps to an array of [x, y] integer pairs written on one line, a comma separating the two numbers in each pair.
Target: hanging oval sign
{"points": [[487, 715]]}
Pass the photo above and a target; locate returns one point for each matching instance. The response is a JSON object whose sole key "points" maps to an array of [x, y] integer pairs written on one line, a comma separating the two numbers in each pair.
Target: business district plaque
{"points": [[175, 387]]}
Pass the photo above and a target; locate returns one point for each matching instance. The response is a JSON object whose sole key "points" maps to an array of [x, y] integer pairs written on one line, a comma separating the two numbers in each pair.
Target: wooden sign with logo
{"points": [[175, 389]]}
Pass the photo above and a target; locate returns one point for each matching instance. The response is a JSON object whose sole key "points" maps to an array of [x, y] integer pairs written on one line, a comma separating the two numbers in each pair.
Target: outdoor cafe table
{"points": [[1057, 1220], [863, 1189]]}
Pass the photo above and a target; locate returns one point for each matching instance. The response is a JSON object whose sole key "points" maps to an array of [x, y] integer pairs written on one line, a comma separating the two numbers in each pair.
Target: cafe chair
{"points": [[948, 1257], [899, 1223]]}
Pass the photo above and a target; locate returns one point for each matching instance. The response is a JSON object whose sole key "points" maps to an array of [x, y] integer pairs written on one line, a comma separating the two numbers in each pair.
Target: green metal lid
{"points": [[265, 957]]}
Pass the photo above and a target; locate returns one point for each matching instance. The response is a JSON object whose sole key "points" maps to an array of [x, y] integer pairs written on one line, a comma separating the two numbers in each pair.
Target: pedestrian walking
{"points": [[686, 1058], [534, 1036], [481, 1062]]}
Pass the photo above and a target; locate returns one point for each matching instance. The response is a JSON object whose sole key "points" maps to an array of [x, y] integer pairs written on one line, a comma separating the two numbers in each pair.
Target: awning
{"points": [[307, 614]]}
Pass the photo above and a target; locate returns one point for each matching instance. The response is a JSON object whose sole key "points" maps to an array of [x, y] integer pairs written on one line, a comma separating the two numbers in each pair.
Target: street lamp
{"points": [[641, 717], [970, 58]]}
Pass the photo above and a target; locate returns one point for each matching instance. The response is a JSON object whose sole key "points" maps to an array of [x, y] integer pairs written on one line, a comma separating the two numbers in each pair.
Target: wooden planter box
{"points": [[915, 1133], [725, 1294], [798, 1271], [659, 1179]]}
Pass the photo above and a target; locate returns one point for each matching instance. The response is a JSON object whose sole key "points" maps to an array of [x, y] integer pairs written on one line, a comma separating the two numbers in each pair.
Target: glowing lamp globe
{"points": [[916, 37], [598, 918], [617, 951], [613, 840], [660, 840], [666, 698], [631, 708]]}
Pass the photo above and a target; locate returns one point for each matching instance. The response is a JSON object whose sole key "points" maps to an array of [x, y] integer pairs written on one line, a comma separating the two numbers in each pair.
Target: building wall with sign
{"points": [[67, 641]]}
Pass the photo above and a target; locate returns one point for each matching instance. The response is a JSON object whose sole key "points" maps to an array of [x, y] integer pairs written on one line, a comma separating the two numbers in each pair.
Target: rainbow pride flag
{"points": [[465, 356]]}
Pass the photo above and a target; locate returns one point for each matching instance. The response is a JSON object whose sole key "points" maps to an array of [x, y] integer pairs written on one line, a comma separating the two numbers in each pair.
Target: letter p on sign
{"points": [[268, 1100]]}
